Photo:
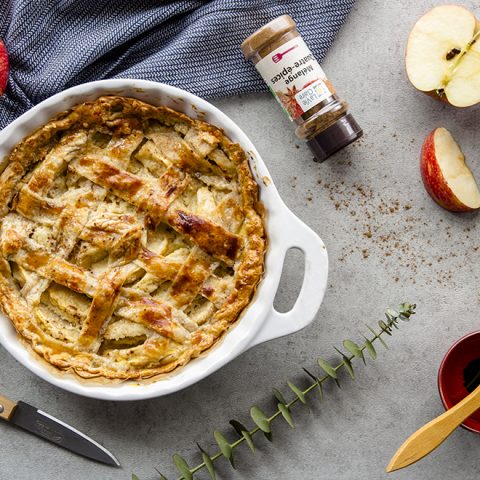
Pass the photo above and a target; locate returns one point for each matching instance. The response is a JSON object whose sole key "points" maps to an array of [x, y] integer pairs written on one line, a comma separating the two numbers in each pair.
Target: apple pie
{"points": [[131, 238]]}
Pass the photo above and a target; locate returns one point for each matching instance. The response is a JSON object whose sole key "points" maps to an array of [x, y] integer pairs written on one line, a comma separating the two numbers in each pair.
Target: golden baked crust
{"points": [[131, 238]]}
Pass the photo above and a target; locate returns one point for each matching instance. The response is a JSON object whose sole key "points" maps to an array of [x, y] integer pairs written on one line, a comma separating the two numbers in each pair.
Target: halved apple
{"points": [[443, 55], [3, 68], [445, 174]]}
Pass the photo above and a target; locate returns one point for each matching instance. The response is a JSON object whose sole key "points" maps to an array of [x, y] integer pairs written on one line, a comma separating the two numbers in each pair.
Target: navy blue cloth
{"points": [[195, 45]]}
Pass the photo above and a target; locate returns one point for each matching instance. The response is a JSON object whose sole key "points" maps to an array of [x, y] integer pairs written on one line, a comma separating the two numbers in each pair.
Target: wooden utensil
{"points": [[7, 407], [431, 435]]}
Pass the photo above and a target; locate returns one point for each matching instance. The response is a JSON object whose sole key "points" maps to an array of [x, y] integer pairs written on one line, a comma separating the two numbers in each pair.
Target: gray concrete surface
{"points": [[416, 252]]}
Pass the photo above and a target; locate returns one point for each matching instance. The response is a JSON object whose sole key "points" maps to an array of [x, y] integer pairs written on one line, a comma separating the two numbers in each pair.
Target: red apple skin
{"points": [[434, 181], [4, 67], [440, 98]]}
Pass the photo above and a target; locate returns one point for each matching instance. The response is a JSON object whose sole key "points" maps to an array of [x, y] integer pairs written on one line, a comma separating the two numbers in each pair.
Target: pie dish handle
{"points": [[293, 233]]}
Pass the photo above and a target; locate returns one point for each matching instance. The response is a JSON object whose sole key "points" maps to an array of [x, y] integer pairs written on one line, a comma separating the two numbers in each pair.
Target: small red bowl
{"points": [[451, 375]]}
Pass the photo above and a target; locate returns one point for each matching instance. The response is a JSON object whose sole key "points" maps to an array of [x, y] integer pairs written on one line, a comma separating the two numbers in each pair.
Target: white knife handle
{"points": [[6, 408]]}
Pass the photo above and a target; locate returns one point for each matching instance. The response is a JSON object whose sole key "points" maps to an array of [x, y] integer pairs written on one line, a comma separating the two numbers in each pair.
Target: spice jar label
{"points": [[295, 78]]}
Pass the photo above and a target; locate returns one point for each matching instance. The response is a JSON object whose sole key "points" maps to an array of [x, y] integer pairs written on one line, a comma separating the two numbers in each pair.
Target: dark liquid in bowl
{"points": [[471, 375], [459, 375]]}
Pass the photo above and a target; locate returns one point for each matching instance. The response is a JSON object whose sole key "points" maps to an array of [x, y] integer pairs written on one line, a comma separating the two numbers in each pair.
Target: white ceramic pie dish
{"points": [[260, 321]]}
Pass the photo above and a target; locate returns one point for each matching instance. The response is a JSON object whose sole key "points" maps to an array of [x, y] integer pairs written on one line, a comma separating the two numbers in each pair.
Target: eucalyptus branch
{"points": [[263, 422]]}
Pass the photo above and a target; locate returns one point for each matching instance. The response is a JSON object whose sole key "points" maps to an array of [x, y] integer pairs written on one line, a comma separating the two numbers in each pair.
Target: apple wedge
{"points": [[443, 55], [3, 68], [445, 174]]}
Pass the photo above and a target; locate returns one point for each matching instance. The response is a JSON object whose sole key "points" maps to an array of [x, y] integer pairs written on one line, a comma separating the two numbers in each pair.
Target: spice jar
{"points": [[297, 81]]}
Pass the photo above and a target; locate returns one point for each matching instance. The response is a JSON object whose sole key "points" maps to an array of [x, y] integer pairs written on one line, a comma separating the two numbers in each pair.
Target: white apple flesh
{"points": [[445, 174], [463, 88], [443, 56]]}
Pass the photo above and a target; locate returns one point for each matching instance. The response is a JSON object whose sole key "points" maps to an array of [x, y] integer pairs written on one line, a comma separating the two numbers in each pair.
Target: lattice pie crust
{"points": [[131, 238]]}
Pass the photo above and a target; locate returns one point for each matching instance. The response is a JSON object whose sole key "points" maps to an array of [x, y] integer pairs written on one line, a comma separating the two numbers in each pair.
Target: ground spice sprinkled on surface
{"points": [[397, 242]]}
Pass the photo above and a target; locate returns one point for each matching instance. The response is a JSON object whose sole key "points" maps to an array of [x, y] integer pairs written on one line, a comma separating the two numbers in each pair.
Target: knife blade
{"points": [[54, 430]]}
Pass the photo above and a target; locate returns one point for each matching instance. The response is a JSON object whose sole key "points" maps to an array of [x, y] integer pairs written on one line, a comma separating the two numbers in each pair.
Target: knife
{"points": [[50, 428]]}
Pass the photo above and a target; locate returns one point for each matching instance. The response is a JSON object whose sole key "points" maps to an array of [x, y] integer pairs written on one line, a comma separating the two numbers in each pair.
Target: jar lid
{"points": [[343, 132], [274, 29]]}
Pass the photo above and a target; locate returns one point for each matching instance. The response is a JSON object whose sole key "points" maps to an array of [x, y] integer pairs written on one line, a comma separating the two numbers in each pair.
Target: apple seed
{"points": [[452, 53]]}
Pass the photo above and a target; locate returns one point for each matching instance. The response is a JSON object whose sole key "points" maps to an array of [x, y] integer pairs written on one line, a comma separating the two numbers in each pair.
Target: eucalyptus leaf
{"points": [[406, 310], [372, 330], [370, 348], [390, 318], [300, 395], [348, 365], [384, 327], [260, 419], [268, 436], [320, 391], [278, 395], [209, 464], [354, 349], [248, 439], [207, 460], [182, 466], [317, 381], [134, 477], [380, 339], [238, 427], [224, 446], [242, 430], [392, 313], [286, 414], [327, 368]]}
